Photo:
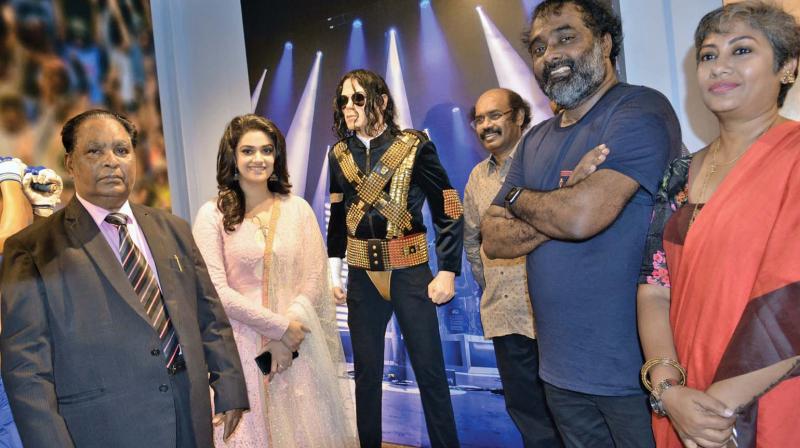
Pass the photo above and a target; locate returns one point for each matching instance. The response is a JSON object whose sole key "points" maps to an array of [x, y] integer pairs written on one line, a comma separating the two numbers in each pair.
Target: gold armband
{"points": [[452, 204]]}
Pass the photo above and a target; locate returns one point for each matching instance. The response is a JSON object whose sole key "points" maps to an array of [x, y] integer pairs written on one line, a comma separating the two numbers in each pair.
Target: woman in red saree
{"points": [[720, 286]]}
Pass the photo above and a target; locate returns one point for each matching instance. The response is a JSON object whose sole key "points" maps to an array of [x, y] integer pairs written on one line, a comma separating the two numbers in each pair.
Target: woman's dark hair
{"points": [[374, 86], [598, 17], [779, 27], [69, 132], [231, 200]]}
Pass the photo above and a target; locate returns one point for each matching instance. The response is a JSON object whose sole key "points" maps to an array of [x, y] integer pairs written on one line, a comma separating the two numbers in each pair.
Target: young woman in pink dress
{"points": [[266, 257]]}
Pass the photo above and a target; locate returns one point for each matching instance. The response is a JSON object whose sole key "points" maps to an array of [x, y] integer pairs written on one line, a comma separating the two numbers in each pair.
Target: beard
{"points": [[586, 75]]}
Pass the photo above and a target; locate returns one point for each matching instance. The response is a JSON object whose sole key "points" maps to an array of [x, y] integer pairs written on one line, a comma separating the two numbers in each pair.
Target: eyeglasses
{"points": [[491, 116], [359, 99]]}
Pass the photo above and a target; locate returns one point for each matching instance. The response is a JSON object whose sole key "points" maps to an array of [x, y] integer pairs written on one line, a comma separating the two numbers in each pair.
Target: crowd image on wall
{"points": [[61, 57]]}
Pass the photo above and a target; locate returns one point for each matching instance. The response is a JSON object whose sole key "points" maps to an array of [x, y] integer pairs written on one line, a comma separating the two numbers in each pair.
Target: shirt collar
{"points": [[99, 214], [364, 140], [492, 164], [374, 141]]}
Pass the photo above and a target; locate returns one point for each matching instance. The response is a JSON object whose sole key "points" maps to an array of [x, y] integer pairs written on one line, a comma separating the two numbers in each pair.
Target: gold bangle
{"points": [[661, 361]]}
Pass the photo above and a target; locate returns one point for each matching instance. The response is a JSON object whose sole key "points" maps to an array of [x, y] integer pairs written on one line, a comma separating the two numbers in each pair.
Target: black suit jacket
{"points": [[77, 349]]}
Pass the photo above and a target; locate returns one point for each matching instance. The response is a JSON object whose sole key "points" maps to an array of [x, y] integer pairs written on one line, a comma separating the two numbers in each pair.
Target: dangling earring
{"points": [[788, 78], [273, 177], [235, 174]]}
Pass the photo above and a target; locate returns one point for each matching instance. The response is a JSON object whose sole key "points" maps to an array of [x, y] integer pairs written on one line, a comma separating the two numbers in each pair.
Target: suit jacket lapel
{"points": [[86, 233], [164, 250]]}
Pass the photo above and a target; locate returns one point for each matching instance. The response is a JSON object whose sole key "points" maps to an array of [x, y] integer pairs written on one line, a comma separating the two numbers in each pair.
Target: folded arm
{"points": [[580, 211], [508, 237], [511, 237]]}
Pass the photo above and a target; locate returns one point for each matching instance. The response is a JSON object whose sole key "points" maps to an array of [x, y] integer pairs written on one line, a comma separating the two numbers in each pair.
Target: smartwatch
{"points": [[511, 198]]}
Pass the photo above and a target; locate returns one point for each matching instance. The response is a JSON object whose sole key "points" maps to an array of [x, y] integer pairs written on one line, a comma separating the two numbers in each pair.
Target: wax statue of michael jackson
{"points": [[380, 177]]}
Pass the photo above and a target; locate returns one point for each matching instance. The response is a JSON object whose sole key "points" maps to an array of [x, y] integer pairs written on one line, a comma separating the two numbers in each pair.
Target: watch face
{"points": [[512, 194], [655, 405]]}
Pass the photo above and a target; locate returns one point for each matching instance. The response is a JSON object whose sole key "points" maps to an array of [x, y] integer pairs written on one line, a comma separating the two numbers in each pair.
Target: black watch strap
{"points": [[511, 197]]}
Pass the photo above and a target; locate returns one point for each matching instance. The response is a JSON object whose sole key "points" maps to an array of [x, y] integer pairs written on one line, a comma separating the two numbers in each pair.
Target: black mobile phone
{"points": [[264, 361]]}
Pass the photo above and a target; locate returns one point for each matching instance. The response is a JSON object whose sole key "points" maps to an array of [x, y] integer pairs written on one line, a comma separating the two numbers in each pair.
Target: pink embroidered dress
{"points": [[310, 404]]}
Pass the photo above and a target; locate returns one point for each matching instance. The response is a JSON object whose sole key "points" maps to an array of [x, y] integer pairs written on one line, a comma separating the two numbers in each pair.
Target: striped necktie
{"points": [[146, 287]]}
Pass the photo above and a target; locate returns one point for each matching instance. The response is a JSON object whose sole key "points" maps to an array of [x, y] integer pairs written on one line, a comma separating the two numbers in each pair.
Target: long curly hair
{"points": [[231, 200], [374, 86]]}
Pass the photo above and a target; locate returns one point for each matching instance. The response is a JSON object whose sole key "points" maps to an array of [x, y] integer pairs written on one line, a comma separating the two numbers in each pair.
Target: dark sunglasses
{"points": [[359, 99]]}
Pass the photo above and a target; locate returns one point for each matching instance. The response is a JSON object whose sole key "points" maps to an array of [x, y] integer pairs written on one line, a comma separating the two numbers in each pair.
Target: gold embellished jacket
{"points": [[419, 176]]}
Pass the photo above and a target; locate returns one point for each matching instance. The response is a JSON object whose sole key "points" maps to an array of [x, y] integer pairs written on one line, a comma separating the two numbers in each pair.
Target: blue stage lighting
{"points": [[512, 71], [256, 95], [321, 194], [394, 80], [434, 52], [357, 48], [425, 3], [456, 110], [298, 139], [280, 97]]}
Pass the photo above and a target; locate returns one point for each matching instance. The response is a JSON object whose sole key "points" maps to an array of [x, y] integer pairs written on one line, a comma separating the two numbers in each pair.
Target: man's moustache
{"points": [[488, 131], [549, 67]]}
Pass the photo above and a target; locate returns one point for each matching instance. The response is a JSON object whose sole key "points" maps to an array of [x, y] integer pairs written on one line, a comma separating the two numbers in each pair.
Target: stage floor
{"points": [[481, 418]]}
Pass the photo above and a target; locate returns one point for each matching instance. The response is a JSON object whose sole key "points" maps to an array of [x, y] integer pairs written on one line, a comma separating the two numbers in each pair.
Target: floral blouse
{"points": [[672, 195]]}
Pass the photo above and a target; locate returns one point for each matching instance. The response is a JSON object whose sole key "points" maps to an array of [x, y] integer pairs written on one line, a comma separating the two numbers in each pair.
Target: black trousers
{"points": [[368, 315], [518, 364], [601, 421]]}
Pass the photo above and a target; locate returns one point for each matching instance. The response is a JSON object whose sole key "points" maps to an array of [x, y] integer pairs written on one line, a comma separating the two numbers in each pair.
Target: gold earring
{"points": [[788, 78]]}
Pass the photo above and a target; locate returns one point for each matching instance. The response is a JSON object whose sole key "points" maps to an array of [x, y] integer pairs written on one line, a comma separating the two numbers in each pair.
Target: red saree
{"points": [[735, 299]]}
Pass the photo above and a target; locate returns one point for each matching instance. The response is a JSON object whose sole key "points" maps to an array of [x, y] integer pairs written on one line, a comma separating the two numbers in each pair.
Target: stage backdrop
{"points": [[437, 56]]}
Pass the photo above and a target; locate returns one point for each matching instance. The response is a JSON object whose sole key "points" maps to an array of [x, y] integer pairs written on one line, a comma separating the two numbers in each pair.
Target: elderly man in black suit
{"points": [[112, 329]]}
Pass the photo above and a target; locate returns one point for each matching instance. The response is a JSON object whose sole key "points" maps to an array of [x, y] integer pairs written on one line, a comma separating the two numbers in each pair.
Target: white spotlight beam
{"points": [[298, 139], [321, 193], [394, 79], [512, 72], [257, 92]]}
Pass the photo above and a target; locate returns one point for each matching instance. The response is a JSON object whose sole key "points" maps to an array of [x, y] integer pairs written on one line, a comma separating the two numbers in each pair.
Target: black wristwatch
{"points": [[511, 198]]}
